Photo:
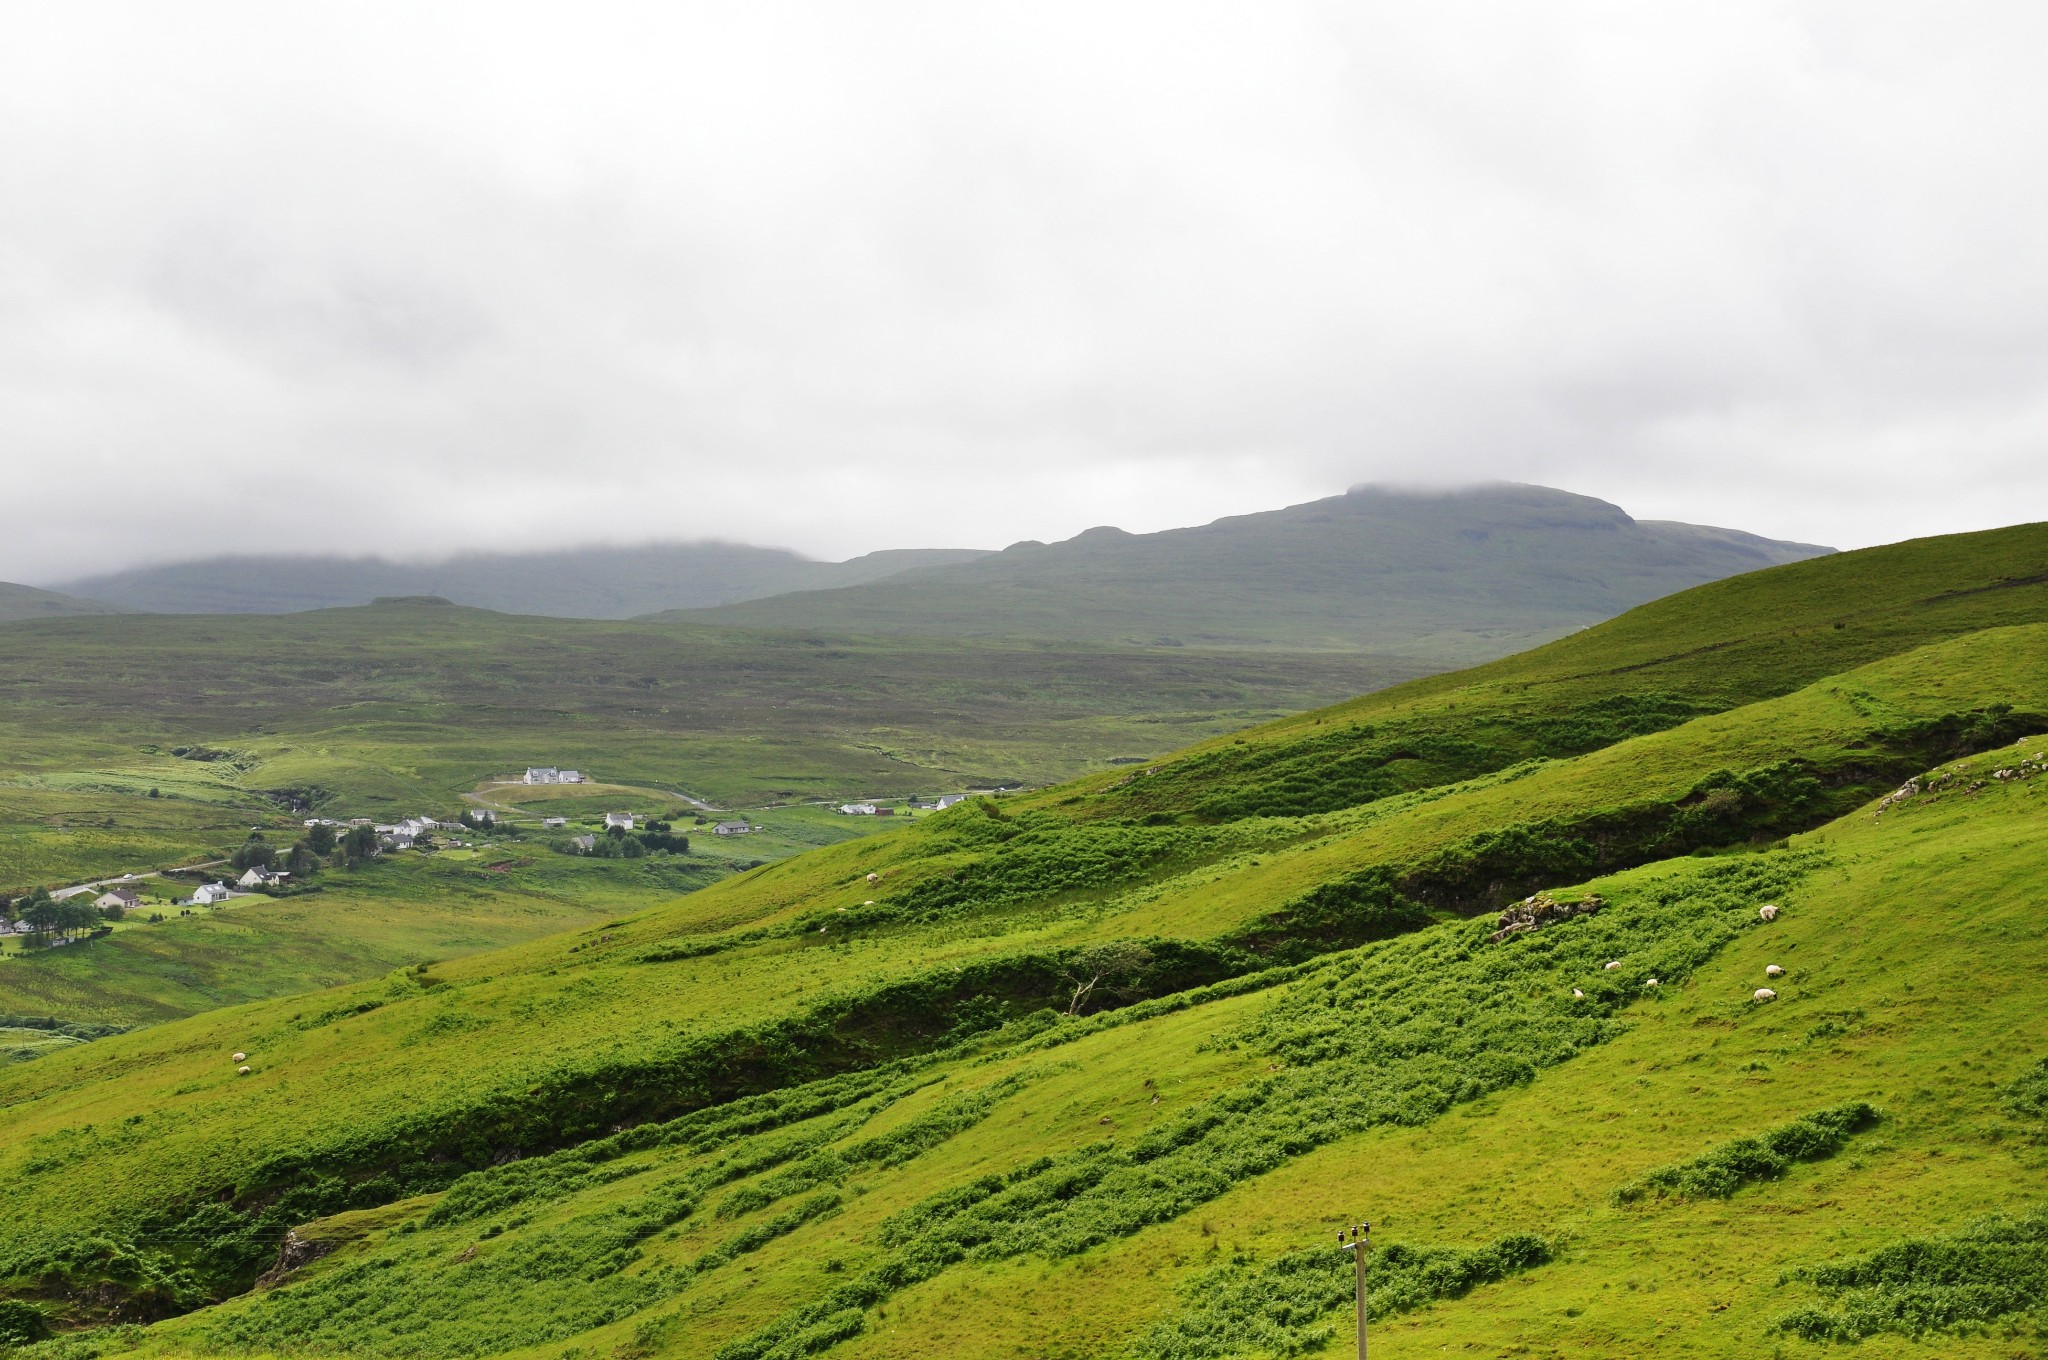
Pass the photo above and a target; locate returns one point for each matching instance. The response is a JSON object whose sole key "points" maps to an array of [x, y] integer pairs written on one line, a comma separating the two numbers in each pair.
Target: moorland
{"points": [[1675, 987]]}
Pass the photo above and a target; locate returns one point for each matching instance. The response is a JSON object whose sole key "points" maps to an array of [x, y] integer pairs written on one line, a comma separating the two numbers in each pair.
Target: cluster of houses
{"points": [[940, 804], [548, 774], [398, 835]]}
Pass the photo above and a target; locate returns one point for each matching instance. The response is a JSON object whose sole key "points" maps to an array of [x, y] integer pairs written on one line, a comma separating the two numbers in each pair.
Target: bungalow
{"points": [[856, 809], [586, 843], [258, 877], [731, 829], [207, 894], [548, 774], [118, 897], [622, 820], [947, 800], [552, 822]]}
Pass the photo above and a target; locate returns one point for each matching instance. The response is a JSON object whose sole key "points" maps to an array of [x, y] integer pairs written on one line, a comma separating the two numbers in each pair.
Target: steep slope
{"points": [[1457, 577], [582, 583], [27, 602], [1029, 1075]]}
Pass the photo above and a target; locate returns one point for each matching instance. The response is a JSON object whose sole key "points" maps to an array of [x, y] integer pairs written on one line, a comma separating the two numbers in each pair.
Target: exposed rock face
{"points": [[1533, 913], [293, 1252]]}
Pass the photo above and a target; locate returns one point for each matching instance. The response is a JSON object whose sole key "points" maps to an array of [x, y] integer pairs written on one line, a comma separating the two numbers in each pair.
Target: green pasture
{"points": [[1097, 1070]]}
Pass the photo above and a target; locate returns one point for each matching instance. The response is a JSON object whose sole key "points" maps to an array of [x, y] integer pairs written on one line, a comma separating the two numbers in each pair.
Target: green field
{"points": [[388, 710], [1097, 1070]]}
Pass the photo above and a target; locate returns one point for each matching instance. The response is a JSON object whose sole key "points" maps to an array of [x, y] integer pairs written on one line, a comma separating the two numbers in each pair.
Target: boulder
{"points": [[1535, 912]]}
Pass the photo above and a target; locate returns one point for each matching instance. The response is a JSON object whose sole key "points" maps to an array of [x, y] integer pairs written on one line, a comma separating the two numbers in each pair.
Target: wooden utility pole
{"points": [[1358, 1241]]}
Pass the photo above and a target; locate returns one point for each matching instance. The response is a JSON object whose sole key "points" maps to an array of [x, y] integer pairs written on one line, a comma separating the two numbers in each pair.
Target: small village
{"points": [[262, 868]]}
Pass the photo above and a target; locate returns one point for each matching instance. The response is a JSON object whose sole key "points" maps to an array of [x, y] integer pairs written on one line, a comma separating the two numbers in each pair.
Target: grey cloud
{"points": [[842, 278]]}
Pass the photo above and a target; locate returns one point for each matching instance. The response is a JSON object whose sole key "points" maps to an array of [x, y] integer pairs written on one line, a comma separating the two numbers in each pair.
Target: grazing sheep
{"points": [[1766, 994], [241, 1071], [1649, 982], [1773, 970], [1768, 911], [241, 1057], [874, 878], [1613, 964], [1578, 995]]}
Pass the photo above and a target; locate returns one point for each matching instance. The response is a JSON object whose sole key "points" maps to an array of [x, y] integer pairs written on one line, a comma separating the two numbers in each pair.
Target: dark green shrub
{"points": [[1993, 1268], [21, 1323], [1283, 1307], [1727, 1168]]}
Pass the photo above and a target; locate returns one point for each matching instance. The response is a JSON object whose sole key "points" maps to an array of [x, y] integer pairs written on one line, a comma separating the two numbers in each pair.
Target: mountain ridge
{"points": [[590, 582], [34, 602], [1484, 569]]}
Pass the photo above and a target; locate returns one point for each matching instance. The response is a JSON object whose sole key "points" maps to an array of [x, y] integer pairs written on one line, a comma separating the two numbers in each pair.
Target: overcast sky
{"points": [[414, 277]]}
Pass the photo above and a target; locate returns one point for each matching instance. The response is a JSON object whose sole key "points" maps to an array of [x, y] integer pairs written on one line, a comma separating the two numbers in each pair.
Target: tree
{"points": [[255, 853], [359, 844], [301, 861], [41, 913], [75, 914], [320, 840], [1112, 968]]}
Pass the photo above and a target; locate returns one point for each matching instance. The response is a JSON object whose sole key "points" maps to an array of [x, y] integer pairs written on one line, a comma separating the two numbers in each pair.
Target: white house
{"points": [[552, 822], [947, 800], [206, 894], [623, 820], [856, 809], [259, 877], [731, 829], [548, 774]]}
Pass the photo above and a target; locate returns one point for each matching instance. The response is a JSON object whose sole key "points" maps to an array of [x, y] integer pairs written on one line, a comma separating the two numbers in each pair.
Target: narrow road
{"points": [[77, 888]]}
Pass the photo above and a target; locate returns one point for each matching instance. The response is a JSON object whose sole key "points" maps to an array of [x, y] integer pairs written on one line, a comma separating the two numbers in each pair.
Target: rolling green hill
{"points": [[1096, 1071], [1451, 578], [580, 583], [27, 602]]}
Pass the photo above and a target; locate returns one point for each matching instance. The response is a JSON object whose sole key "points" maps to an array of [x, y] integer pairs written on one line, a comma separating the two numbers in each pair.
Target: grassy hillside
{"points": [[582, 583], [1077, 1075], [1452, 578], [27, 602]]}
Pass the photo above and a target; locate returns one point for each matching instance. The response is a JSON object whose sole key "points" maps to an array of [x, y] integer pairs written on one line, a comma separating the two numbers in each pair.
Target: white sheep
{"points": [[241, 1057], [1766, 994], [1649, 982], [874, 878], [1768, 911], [1613, 964], [242, 1071], [1773, 970], [1578, 995]]}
